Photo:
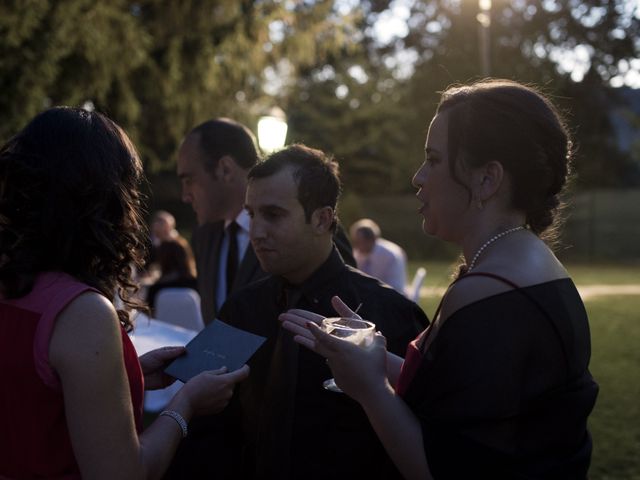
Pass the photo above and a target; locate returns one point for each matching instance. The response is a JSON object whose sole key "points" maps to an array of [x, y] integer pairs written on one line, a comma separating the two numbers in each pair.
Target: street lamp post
{"points": [[272, 130], [484, 26]]}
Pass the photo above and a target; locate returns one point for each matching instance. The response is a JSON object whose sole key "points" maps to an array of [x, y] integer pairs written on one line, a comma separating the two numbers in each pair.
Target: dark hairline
{"points": [[506, 93], [292, 158], [245, 137]]}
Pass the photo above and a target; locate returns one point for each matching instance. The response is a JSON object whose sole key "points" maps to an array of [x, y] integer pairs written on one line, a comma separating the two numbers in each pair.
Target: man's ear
{"points": [[322, 219], [226, 168]]}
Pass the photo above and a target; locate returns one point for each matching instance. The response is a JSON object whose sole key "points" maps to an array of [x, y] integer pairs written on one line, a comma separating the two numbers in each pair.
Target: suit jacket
{"points": [[206, 242]]}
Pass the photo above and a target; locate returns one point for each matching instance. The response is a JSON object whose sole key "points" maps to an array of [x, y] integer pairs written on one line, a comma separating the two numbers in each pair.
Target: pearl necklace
{"points": [[489, 242]]}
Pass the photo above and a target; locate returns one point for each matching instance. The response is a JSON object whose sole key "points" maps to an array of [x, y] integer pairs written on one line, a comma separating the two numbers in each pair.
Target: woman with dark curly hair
{"points": [[498, 386], [70, 232]]}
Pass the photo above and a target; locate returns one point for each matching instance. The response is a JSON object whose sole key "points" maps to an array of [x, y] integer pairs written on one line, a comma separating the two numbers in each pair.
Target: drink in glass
{"points": [[353, 330]]}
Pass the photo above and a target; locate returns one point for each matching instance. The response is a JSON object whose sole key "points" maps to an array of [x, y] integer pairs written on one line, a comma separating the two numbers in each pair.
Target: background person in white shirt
{"points": [[376, 256]]}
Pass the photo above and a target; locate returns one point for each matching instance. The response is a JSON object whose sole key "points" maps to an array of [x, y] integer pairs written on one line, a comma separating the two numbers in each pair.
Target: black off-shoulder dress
{"points": [[504, 389]]}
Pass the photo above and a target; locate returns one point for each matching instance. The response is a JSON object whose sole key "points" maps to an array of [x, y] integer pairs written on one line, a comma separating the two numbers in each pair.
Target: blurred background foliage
{"points": [[359, 79]]}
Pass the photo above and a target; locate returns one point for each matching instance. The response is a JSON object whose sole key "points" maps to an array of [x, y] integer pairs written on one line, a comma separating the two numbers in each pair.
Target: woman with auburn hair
{"points": [[498, 386], [70, 232]]}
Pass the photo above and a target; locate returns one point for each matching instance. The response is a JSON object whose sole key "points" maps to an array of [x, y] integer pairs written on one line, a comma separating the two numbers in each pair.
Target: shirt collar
{"points": [[332, 267], [242, 220]]}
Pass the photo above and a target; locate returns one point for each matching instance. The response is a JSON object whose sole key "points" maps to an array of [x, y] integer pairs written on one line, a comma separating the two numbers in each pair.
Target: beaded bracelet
{"points": [[178, 418]]}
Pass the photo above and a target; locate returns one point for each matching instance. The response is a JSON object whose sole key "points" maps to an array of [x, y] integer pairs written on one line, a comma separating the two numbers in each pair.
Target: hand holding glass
{"points": [[353, 330]]}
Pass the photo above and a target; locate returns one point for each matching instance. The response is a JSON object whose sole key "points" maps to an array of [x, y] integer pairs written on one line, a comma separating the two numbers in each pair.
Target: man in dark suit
{"points": [[213, 162], [281, 422]]}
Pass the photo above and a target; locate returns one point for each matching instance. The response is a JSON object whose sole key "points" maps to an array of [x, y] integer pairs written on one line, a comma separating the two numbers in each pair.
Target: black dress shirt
{"points": [[282, 423]]}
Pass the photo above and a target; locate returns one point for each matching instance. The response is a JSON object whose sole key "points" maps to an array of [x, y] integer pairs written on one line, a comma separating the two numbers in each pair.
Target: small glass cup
{"points": [[353, 330]]}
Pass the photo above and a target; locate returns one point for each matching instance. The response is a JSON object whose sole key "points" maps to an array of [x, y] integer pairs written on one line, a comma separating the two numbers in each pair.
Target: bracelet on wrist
{"points": [[179, 420]]}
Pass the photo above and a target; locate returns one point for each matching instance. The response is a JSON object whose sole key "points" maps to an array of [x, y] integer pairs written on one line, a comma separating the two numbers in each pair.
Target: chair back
{"points": [[413, 291], [179, 306]]}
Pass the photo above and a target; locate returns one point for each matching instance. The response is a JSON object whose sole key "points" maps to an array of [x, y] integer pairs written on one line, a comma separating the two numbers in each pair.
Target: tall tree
{"points": [[352, 110], [573, 49], [209, 58], [67, 52], [351, 107], [377, 125], [157, 67]]}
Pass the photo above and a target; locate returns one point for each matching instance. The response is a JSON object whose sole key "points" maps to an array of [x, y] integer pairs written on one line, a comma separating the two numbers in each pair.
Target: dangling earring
{"points": [[480, 204]]}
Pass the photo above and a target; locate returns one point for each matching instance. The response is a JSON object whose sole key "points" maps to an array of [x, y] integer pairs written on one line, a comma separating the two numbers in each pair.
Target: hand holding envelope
{"points": [[209, 392], [218, 345], [153, 363]]}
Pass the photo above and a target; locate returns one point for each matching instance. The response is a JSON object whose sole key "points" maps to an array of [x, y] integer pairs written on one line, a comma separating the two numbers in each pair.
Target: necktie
{"points": [[232, 254], [275, 426]]}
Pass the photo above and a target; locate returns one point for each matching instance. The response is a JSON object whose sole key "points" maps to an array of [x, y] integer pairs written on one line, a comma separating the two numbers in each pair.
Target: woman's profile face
{"points": [[444, 201]]}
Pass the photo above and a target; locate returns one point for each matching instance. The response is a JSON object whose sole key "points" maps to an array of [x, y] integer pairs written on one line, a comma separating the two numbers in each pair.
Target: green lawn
{"points": [[585, 274], [615, 364], [439, 275]]}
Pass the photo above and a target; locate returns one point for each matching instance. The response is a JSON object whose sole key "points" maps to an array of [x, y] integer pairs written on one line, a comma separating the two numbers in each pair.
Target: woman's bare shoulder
{"points": [[468, 290], [88, 324], [521, 268]]}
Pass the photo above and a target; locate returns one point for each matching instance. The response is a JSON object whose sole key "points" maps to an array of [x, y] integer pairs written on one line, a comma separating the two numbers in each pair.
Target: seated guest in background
{"points": [[177, 268], [284, 424], [378, 257], [163, 227], [498, 387], [72, 384]]}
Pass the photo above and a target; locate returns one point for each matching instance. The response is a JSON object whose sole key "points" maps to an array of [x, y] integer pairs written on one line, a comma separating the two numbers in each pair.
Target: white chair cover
{"points": [[413, 291], [179, 306]]}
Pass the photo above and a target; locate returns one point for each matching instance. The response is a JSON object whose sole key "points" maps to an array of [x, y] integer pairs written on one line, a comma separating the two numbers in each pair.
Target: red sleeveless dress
{"points": [[34, 439]]}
